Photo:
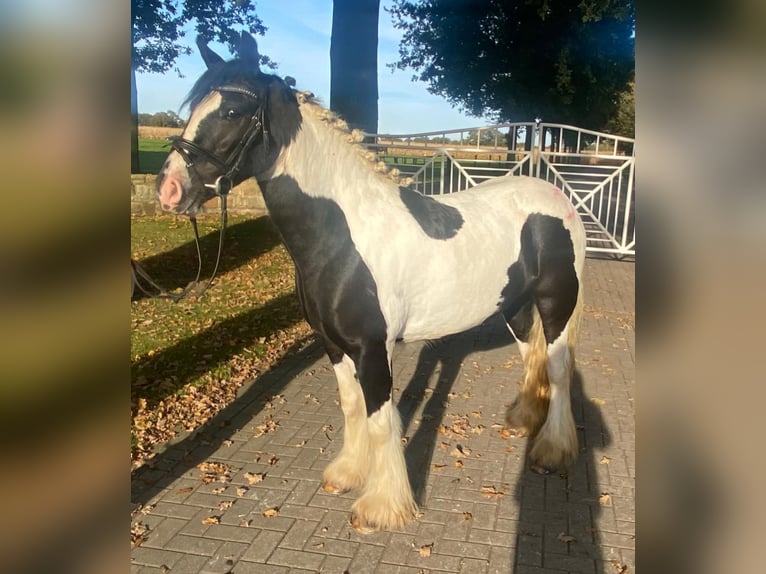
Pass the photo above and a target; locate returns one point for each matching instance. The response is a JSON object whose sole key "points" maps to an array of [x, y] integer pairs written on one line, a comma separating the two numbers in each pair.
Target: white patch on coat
{"points": [[427, 287], [175, 165]]}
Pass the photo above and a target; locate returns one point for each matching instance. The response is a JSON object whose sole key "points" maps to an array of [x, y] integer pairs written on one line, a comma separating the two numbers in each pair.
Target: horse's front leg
{"points": [[350, 468], [386, 502], [372, 456]]}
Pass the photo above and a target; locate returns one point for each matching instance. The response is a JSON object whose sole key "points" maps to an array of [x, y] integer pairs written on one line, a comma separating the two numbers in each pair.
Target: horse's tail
{"points": [[529, 409]]}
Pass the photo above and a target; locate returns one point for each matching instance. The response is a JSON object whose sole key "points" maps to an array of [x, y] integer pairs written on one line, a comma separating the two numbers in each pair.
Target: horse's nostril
{"points": [[170, 192]]}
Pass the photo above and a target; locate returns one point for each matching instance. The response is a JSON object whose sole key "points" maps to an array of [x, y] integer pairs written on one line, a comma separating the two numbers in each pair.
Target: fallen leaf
{"points": [[459, 463], [302, 443], [618, 567], [241, 490], [224, 504], [426, 549], [245, 523], [491, 492], [273, 460], [598, 401], [218, 490], [505, 434], [467, 516], [604, 460], [228, 442], [211, 520], [138, 532], [254, 477], [604, 499], [566, 538], [184, 490], [460, 450], [439, 466], [271, 512]]}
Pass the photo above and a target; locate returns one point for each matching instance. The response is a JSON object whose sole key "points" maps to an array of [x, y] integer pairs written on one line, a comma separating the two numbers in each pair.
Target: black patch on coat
{"points": [[335, 287], [543, 275], [437, 220]]}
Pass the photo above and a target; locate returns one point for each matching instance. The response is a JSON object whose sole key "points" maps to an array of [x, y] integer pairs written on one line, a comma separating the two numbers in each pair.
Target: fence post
{"points": [[441, 173]]}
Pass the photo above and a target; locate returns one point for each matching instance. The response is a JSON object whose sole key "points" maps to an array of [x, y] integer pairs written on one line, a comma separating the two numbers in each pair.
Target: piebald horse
{"points": [[376, 263]]}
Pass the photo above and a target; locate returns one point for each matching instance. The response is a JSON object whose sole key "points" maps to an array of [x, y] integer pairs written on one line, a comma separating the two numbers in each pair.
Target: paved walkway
{"points": [[243, 496]]}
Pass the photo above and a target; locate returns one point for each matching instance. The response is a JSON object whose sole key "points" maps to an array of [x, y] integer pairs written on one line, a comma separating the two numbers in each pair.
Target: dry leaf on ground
{"points": [[254, 477]]}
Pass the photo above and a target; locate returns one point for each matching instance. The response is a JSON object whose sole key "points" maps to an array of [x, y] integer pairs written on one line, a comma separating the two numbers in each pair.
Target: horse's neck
{"points": [[324, 162]]}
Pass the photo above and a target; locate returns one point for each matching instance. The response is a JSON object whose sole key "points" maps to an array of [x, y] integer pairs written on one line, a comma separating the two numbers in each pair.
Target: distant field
{"points": [[155, 133]]}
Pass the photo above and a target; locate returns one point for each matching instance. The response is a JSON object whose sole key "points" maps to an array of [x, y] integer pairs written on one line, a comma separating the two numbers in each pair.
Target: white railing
{"points": [[595, 170]]}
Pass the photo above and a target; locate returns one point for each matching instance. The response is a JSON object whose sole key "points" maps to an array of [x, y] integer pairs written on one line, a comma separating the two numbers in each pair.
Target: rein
{"points": [[193, 288], [222, 186]]}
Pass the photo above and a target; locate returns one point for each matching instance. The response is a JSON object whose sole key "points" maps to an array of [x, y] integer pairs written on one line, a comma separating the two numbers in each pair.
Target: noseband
{"points": [[230, 166]]}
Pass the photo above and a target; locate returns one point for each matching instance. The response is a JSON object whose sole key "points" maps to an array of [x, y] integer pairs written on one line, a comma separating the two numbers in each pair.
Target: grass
{"points": [[152, 154], [189, 358]]}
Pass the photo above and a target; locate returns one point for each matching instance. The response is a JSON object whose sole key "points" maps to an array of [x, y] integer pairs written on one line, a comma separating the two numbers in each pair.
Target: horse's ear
{"points": [[248, 50], [208, 55]]}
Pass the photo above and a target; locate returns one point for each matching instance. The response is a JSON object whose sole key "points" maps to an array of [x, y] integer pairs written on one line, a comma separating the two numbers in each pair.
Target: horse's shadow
{"points": [[445, 356], [548, 506], [563, 511], [243, 241]]}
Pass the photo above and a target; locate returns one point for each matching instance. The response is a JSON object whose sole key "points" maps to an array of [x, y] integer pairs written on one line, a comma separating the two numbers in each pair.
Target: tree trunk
{"points": [[134, 167], [354, 63]]}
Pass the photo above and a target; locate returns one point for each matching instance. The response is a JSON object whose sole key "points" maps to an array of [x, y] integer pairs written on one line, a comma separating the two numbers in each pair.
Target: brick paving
{"points": [[482, 511]]}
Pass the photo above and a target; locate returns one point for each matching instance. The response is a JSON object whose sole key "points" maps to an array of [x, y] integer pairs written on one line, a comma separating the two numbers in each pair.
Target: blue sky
{"points": [[298, 39]]}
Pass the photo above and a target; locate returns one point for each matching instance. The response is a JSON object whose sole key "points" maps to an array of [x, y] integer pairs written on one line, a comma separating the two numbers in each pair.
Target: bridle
{"points": [[230, 166]]}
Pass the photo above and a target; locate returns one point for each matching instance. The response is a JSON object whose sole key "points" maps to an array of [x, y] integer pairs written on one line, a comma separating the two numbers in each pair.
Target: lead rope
{"points": [[194, 287]]}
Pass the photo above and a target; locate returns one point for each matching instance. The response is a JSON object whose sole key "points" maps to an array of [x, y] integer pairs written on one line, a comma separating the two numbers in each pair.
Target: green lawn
{"points": [[152, 154]]}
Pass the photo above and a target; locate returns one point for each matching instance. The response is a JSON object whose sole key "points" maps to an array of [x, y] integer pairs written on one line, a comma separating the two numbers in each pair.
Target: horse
{"points": [[377, 262]]}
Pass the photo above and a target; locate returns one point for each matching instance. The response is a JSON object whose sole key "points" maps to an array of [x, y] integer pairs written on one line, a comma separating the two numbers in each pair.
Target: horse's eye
{"points": [[233, 114]]}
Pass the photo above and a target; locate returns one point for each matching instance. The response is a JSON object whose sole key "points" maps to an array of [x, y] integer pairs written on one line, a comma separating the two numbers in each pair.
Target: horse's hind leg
{"points": [[555, 446], [386, 501], [527, 413], [349, 469]]}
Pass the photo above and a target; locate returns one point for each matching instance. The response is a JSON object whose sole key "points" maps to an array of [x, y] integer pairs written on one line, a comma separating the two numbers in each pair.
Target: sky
{"points": [[298, 40]]}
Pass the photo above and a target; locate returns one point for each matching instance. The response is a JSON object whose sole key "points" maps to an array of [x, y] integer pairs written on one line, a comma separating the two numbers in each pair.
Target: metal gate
{"points": [[595, 170]]}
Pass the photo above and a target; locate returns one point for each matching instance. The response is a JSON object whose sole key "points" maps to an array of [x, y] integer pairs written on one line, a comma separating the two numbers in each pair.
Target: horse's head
{"points": [[241, 119]]}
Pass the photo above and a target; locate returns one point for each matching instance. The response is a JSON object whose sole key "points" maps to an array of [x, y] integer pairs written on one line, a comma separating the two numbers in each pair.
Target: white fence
{"points": [[595, 170]]}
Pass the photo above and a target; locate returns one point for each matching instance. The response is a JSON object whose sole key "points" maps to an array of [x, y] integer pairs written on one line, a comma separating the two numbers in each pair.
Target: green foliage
{"points": [[560, 60], [168, 119], [624, 121], [157, 34]]}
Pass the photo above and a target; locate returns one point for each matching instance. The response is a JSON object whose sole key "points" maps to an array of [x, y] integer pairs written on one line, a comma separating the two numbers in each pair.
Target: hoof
{"points": [[523, 420], [362, 527], [548, 456], [540, 469], [374, 513], [332, 489], [341, 476]]}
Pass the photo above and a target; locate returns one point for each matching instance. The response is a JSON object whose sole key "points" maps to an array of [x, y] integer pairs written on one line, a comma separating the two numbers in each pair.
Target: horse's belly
{"points": [[446, 309]]}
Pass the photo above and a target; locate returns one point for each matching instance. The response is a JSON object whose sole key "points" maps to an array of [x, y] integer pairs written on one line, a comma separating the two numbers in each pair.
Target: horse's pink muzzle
{"points": [[170, 193]]}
